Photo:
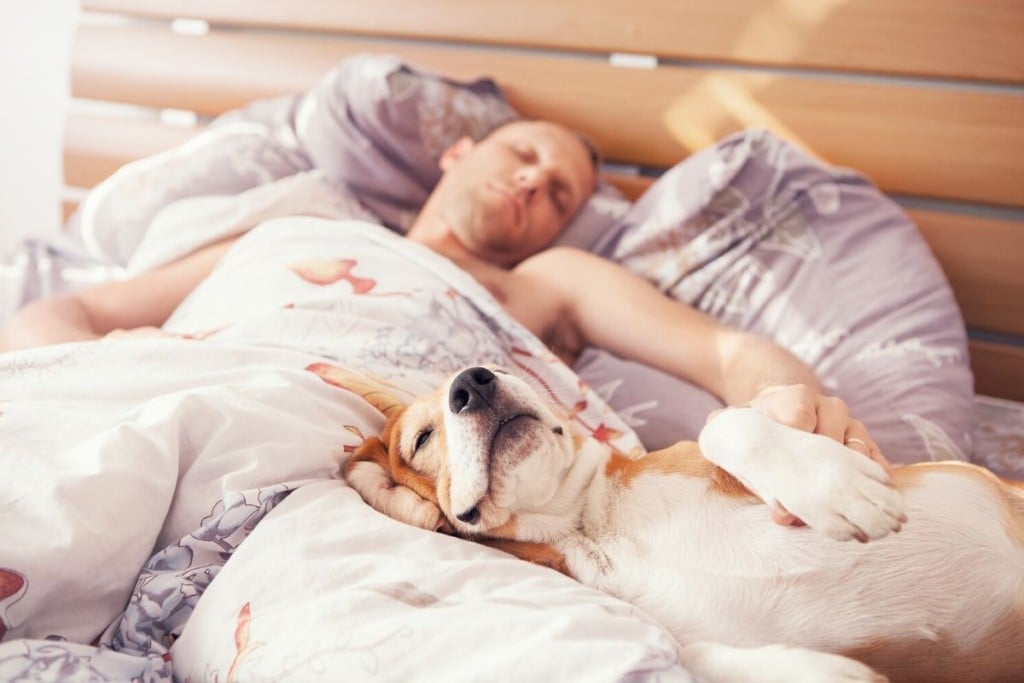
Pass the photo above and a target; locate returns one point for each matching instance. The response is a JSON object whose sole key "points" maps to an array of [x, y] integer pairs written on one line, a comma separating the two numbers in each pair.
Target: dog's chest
{"points": [[679, 523], [690, 557]]}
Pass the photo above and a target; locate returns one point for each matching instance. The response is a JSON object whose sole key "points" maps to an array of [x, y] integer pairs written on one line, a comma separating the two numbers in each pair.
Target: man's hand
{"points": [[803, 408]]}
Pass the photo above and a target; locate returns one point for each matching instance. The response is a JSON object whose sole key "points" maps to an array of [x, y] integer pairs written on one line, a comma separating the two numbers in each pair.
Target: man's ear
{"points": [[456, 151], [368, 471]]}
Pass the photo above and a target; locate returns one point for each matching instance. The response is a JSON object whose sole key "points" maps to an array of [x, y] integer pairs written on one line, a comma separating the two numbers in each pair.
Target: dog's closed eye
{"points": [[422, 438]]}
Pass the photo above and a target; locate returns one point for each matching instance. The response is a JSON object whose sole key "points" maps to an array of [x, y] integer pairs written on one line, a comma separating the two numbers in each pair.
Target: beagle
{"points": [[684, 534]]}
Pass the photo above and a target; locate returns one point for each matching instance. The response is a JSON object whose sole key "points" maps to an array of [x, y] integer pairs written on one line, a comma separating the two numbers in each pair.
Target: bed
{"points": [[729, 133]]}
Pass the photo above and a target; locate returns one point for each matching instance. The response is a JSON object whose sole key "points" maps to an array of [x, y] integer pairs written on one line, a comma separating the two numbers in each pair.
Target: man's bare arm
{"points": [[146, 300], [598, 303]]}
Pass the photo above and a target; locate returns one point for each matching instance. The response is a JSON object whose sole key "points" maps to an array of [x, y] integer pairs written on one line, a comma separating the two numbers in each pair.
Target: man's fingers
{"points": [[793, 405], [803, 408], [857, 438], [877, 456], [833, 418]]}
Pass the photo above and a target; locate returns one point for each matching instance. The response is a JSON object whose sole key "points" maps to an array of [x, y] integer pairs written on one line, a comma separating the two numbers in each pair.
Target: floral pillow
{"points": [[765, 238]]}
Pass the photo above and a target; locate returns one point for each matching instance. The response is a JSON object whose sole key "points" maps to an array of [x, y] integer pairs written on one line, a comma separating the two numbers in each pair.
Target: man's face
{"points": [[509, 195]]}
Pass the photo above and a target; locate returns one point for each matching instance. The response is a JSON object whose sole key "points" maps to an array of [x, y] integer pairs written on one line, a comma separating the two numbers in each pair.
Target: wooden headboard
{"points": [[924, 96]]}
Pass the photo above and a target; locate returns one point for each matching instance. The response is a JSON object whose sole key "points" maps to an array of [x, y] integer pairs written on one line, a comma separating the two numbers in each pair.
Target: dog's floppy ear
{"points": [[368, 471], [374, 390]]}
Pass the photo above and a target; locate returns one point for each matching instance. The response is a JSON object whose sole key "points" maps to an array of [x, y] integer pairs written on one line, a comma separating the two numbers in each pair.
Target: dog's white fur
{"points": [[677, 536]]}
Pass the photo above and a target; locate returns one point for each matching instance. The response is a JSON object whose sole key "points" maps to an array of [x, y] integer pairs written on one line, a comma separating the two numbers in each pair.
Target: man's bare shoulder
{"points": [[559, 262]]}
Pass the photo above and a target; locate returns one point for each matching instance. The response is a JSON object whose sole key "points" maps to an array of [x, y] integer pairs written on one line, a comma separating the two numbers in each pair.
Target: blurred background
{"points": [[35, 40]]}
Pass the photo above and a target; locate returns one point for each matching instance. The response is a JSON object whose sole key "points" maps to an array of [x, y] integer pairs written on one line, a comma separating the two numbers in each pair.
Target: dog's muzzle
{"points": [[473, 390]]}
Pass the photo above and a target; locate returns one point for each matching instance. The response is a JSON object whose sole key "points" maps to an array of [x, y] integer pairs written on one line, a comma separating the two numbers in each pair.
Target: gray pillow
{"points": [[765, 238]]}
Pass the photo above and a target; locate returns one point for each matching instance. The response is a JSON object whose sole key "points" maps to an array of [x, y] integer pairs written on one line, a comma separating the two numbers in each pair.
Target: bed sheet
{"points": [[138, 466]]}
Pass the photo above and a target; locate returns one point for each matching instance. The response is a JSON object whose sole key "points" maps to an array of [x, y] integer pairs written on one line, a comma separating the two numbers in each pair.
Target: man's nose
{"points": [[529, 179]]}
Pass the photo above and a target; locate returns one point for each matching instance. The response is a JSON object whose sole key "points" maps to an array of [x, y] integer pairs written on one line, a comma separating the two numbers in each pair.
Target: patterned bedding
{"points": [[143, 462]]}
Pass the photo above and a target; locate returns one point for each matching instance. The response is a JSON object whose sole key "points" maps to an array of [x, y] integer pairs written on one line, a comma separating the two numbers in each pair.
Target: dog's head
{"points": [[471, 458]]}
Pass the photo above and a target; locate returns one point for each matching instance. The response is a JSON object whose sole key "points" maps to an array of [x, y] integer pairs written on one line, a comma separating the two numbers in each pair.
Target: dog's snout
{"points": [[472, 389]]}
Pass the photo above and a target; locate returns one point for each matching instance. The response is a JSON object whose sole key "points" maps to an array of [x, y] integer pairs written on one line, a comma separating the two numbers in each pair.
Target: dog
{"points": [[684, 534]]}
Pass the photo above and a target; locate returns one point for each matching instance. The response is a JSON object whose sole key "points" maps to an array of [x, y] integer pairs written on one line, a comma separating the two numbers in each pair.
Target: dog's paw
{"points": [[830, 487], [398, 502], [837, 491], [717, 663]]}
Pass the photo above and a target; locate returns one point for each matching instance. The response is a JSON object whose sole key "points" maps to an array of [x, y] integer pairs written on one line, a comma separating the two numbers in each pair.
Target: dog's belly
{"points": [[716, 568]]}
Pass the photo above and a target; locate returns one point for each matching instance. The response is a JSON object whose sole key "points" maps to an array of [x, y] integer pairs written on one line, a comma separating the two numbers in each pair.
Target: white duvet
{"points": [[134, 469]]}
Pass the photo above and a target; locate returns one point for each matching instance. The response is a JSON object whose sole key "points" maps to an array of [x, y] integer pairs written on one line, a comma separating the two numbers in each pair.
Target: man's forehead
{"points": [[541, 131]]}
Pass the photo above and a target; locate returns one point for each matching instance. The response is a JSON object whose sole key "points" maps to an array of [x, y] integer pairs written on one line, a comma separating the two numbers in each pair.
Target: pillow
{"points": [[370, 605], [374, 127], [765, 238], [228, 160]]}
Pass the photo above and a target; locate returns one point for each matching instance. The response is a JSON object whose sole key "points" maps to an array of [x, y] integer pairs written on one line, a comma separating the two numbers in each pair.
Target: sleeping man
{"points": [[499, 203]]}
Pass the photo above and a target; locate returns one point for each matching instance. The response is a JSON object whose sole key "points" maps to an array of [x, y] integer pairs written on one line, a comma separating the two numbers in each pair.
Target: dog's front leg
{"points": [[717, 663], [830, 487]]}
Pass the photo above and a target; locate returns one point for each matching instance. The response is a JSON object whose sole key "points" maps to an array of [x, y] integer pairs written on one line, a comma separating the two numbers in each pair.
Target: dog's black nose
{"points": [[472, 389], [470, 516]]}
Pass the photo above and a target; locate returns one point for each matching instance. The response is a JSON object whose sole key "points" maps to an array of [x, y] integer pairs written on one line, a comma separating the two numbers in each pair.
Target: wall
{"points": [[35, 39]]}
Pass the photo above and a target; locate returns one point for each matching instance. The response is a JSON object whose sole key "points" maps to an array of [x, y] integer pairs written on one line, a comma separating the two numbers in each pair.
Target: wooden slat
{"points": [[998, 370], [978, 39], [95, 147], [934, 142], [630, 185], [207, 74], [984, 261]]}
